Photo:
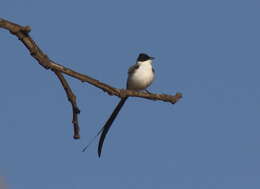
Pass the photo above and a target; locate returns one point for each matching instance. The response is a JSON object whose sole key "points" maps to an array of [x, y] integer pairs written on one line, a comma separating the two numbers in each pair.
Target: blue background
{"points": [[208, 50]]}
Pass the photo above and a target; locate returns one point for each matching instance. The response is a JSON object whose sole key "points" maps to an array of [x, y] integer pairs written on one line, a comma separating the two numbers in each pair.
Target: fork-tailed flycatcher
{"points": [[140, 76]]}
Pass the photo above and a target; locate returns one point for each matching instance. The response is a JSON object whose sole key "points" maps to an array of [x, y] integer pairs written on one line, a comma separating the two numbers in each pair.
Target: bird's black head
{"points": [[143, 57]]}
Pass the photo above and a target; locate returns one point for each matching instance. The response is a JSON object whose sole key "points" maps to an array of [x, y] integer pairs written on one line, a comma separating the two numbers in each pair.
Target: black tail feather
{"points": [[108, 124]]}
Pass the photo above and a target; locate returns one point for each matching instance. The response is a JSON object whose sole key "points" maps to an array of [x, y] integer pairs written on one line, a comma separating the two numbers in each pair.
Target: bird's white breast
{"points": [[142, 77]]}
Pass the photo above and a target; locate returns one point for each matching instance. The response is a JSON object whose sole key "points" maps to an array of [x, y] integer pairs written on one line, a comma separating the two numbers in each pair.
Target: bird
{"points": [[140, 77]]}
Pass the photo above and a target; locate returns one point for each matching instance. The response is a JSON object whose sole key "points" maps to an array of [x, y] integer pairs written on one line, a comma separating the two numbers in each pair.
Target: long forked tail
{"points": [[106, 127], [108, 124]]}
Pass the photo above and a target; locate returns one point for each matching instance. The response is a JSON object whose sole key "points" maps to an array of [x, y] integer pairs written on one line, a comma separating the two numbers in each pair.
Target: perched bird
{"points": [[140, 76]]}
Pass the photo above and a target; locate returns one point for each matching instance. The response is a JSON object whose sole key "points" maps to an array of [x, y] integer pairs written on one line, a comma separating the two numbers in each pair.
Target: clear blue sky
{"points": [[208, 50]]}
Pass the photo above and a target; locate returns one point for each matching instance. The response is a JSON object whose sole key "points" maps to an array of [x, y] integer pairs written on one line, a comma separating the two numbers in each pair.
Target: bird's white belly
{"points": [[141, 78]]}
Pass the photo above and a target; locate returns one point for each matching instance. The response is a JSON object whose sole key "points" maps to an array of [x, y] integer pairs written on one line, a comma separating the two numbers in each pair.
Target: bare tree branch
{"points": [[72, 99], [22, 32]]}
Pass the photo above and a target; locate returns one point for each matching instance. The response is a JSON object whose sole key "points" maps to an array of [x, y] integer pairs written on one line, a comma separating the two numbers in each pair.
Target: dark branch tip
{"points": [[76, 137]]}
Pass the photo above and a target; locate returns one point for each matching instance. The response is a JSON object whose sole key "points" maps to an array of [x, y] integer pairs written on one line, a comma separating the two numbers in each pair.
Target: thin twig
{"points": [[73, 101]]}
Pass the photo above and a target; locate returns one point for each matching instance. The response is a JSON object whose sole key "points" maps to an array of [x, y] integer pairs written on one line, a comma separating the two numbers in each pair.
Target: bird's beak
{"points": [[152, 58]]}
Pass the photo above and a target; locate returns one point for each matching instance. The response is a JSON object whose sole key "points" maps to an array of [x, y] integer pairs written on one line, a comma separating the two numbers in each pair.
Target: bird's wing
{"points": [[133, 68]]}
